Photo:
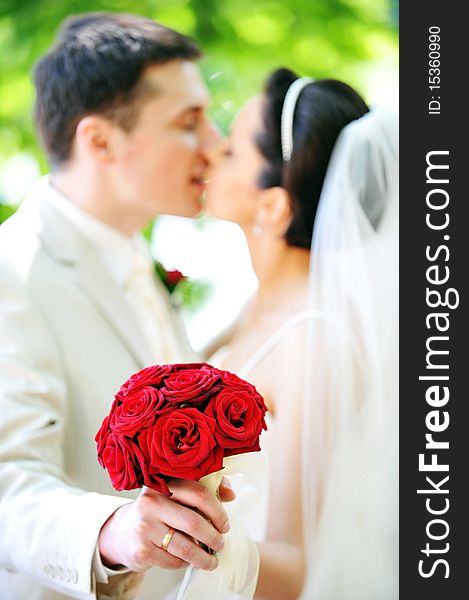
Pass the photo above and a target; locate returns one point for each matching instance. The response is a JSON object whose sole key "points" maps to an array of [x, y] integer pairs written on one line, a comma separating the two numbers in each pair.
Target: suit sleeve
{"points": [[49, 528]]}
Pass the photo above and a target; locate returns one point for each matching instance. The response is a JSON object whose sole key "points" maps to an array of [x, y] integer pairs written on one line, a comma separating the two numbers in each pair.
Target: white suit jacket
{"points": [[67, 342]]}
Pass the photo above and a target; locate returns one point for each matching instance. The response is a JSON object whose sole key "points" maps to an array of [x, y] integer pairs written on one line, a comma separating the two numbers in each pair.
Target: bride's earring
{"points": [[257, 228]]}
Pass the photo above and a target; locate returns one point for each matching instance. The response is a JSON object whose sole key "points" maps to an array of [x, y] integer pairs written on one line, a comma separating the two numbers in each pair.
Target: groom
{"points": [[120, 111]]}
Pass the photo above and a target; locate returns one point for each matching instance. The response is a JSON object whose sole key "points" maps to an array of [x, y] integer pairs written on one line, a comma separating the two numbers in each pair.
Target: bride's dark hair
{"points": [[323, 109]]}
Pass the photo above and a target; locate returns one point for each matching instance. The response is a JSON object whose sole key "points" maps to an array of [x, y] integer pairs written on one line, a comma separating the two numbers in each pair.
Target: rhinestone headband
{"points": [[288, 112]]}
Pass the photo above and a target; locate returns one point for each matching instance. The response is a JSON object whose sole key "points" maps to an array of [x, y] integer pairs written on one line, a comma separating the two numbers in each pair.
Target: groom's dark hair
{"points": [[323, 109], [95, 66]]}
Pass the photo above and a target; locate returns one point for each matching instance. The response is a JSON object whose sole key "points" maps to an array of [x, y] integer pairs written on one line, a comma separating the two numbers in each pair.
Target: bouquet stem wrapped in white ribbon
{"points": [[236, 575]]}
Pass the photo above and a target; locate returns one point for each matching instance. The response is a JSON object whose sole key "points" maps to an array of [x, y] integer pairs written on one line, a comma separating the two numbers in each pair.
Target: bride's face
{"points": [[234, 167]]}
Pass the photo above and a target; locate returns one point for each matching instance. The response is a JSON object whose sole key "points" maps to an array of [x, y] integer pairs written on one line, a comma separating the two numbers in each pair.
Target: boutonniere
{"points": [[170, 279], [183, 291]]}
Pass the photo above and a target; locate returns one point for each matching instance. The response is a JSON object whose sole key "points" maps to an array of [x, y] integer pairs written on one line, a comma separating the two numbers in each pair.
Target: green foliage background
{"points": [[243, 40]]}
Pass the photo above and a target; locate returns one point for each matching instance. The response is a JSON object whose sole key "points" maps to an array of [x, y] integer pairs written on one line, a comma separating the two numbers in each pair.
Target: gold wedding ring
{"points": [[168, 536]]}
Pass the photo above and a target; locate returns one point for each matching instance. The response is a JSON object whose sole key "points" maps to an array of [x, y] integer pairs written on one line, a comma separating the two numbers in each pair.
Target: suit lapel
{"points": [[108, 299], [65, 246]]}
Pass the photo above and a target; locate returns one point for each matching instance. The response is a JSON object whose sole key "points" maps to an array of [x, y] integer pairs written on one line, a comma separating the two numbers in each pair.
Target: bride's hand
{"points": [[134, 533]]}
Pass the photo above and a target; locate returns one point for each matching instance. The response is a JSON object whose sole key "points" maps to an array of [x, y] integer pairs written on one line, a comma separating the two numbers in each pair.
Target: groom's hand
{"points": [[133, 535]]}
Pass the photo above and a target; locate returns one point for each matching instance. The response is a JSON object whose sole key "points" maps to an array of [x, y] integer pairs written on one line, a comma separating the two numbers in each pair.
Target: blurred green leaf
{"points": [[191, 294], [6, 210]]}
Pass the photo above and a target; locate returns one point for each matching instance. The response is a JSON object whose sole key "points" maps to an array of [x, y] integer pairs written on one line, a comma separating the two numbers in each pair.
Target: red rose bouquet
{"points": [[178, 421]]}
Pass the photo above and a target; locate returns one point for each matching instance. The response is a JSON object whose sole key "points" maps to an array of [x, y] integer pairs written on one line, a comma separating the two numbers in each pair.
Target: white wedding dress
{"points": [[252, 489]]}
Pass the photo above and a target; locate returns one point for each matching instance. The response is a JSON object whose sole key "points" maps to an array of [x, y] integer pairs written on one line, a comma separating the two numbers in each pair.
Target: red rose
{"points": [[121, 457], [232, 381], [152, 478], [193, 385], [182, 444], [189, 366], [239, 419], [173, 278], [137, 411], [102, 435], [153, 375]]}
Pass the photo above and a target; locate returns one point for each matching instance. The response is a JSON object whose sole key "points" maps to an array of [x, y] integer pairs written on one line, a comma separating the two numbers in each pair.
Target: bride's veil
{"points": [[350, 438]]}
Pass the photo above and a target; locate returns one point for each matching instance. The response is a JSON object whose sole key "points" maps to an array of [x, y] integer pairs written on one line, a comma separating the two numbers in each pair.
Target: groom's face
{"points": [[159, 166]]}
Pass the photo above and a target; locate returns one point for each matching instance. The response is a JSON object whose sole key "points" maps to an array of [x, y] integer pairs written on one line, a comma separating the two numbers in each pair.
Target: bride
{"points": [[318, 338]]}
